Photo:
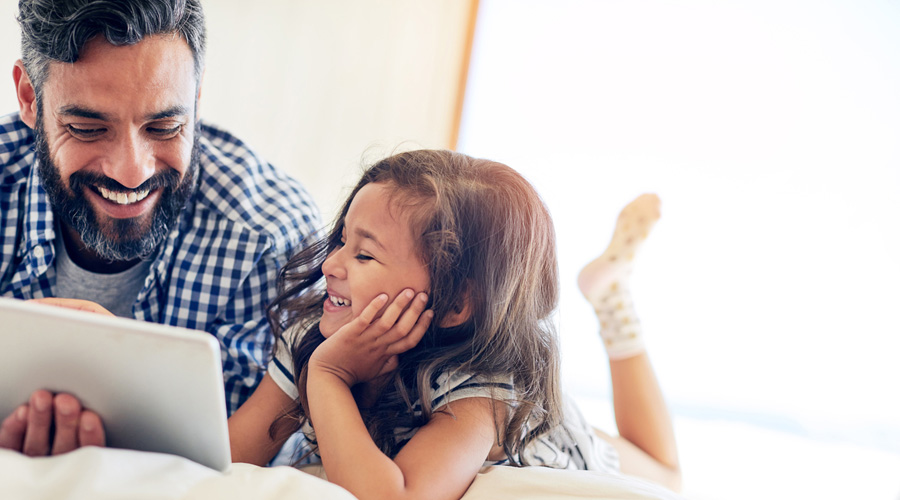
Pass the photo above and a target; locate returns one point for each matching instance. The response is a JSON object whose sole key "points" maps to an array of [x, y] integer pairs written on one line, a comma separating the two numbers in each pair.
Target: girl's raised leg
{"points": [[646, 441]]}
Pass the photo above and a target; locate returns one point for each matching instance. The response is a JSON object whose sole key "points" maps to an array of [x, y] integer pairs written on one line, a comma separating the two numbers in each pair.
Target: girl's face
{"points": [[377, 255]]}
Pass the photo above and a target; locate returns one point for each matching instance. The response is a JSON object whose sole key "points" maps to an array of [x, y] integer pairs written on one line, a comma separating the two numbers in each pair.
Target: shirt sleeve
{"points": [[281, 368], [240, 325], [453, 386]]}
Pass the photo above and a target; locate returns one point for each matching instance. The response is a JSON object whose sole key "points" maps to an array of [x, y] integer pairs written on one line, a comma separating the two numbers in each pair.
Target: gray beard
{"points": [[119, 240]]}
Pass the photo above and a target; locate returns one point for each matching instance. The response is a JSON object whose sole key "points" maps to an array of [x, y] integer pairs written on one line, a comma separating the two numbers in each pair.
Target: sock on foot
{"points": [[604, 282]]}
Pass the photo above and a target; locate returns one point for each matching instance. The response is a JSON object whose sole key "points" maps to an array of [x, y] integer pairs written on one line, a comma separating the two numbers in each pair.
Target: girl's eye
{"points": [[362, 258], [85, 133]]}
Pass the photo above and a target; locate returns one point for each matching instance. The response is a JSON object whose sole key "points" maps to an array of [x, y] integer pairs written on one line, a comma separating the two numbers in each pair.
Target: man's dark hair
{"points": [[56, 30]]}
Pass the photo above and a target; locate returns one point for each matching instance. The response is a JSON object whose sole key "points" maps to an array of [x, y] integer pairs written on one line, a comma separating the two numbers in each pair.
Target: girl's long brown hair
{"points": [[487, 238]]}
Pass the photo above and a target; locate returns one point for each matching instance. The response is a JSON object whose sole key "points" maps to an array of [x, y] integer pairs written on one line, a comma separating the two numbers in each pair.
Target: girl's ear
{"points": [[461, 312]]}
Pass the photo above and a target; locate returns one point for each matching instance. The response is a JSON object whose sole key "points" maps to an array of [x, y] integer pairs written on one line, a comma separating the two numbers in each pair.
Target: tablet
{"points": [[156, 387]]}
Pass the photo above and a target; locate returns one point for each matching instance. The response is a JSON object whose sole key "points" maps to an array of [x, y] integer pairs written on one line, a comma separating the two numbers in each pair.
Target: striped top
{"points": [[571, 445]]}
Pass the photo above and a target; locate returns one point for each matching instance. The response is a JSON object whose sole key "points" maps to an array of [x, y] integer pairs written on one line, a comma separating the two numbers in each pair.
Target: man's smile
{"points": [[122, 204], [123, 198]]}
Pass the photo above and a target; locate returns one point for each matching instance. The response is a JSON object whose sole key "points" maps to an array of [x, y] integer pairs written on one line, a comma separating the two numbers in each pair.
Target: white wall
{"points": [[9, 52], [317, 86]]}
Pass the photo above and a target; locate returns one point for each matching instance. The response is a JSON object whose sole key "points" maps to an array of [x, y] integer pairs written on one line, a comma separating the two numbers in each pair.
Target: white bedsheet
{"points": [[112, 474]]}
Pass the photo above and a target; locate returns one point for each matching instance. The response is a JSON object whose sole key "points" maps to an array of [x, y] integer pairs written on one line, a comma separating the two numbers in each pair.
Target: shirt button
{"points": [[39, 252]]}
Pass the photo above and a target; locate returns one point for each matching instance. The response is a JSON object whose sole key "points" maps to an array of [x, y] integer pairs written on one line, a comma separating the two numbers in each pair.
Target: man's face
{"points": [[116, 142]]}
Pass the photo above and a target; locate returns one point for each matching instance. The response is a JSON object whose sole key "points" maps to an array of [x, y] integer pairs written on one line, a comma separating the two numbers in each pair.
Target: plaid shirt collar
{"points": [[40, 231], [34, 254]]}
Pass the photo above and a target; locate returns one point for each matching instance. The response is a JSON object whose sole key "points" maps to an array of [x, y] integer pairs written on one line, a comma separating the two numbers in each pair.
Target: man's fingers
{"points": [[90, 430], [12, 431], [77, 304], [67, 411], [40, 417]]}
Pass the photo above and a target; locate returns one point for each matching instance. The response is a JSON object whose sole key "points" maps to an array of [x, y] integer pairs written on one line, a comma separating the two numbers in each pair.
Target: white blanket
{"points": [[111, 474]]}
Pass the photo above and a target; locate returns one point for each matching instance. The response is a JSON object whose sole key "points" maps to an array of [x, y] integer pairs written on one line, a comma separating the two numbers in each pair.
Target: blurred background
{"points": [[769, 289]]}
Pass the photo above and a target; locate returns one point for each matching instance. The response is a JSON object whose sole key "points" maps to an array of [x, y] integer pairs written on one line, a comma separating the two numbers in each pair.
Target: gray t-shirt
{"points": [[117, 292]]}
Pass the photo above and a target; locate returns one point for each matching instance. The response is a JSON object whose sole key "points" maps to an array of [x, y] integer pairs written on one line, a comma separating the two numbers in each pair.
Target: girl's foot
{"points": [[604, 281]]}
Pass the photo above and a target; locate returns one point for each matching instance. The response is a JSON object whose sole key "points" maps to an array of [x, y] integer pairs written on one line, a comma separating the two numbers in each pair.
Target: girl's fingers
{"points": [[368, 314], [415, 335], [407, 320], [390, 365], [389, 318]]}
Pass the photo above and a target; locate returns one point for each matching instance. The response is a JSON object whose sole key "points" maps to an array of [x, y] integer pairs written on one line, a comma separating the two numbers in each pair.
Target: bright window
{"points": [[769, 289]]}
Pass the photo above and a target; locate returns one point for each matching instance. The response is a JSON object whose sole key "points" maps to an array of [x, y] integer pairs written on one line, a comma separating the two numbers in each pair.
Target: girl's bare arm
{"points": [[249, 426]]}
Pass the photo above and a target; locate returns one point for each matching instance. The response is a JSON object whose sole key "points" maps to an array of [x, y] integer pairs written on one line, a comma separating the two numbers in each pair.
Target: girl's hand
{"points": [[368, 347], [77, 304]]}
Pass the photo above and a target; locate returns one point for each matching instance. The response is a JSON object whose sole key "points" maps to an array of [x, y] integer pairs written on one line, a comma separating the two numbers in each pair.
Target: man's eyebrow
{"points": [[177, 110], [81, 112]]}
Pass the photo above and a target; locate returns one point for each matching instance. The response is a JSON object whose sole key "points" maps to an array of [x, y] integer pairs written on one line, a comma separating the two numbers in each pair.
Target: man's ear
{"points": [[199, 94], [461, 312], [28, 108]]}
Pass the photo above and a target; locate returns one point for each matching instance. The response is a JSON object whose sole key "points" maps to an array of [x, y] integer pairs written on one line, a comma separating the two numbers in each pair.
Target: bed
{"points": [[114, 474]]}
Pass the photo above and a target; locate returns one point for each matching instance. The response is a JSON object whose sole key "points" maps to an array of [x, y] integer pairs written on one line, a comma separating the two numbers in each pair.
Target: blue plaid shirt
{"points": [[216, 270]]}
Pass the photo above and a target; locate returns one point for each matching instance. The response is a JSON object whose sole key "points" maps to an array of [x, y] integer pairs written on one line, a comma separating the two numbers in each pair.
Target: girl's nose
{"points": [[333, 265]]}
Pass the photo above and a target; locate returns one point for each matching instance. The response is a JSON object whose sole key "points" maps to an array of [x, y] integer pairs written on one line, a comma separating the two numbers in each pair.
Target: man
{"points": [[111, 190]]}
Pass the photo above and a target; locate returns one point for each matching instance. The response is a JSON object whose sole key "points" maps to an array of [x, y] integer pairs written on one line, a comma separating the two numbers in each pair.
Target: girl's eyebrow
{"points": [[363, 233]]}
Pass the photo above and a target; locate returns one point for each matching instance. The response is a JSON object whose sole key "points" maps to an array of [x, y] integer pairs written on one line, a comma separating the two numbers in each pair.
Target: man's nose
{"points": [[132, 161]]}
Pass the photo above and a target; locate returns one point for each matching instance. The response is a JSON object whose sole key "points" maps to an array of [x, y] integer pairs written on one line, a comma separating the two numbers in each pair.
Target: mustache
{"points": [[168, 179]]}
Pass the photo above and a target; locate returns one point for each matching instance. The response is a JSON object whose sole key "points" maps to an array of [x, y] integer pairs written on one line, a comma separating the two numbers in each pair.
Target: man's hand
{"points": [[51, 425], [77, 304]]}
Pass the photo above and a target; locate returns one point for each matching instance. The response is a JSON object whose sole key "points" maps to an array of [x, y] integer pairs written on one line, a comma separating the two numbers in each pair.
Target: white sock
{"points": [[605, 280]]}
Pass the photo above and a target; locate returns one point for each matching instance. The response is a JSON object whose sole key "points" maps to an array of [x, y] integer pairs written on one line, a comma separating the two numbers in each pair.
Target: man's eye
{"points": [[85, 132], [165, 132]]}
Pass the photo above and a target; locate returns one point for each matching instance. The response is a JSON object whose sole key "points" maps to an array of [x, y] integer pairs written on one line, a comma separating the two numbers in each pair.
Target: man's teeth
{"points": [[339, 301], [124, 198]]}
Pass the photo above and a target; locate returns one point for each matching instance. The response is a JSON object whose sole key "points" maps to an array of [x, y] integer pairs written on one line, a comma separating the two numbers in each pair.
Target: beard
{"points": [[116, 240]]}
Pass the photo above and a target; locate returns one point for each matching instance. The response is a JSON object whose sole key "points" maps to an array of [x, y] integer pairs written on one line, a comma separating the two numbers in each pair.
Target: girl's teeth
{"points": [[339, 302]]}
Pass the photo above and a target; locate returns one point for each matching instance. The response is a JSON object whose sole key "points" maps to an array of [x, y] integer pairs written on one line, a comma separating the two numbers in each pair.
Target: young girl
{"points": [[427, 351]]}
